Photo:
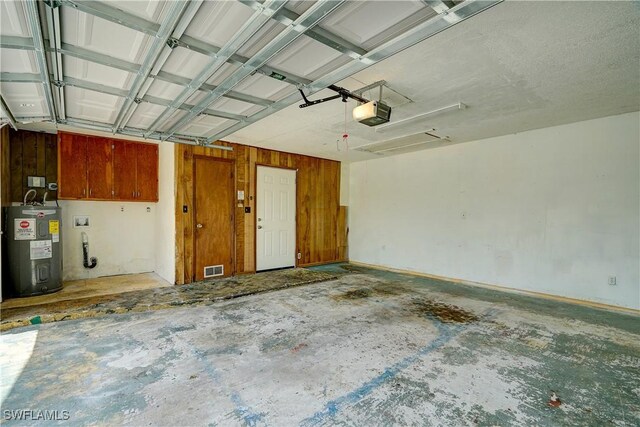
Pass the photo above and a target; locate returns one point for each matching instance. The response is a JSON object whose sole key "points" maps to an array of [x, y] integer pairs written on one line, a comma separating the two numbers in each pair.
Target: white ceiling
{"points": [[517, 66]]}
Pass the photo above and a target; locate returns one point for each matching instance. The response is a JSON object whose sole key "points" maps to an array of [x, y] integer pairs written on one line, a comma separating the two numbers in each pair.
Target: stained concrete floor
{"points": [[89, 288], [370, 348], [91, 304]]}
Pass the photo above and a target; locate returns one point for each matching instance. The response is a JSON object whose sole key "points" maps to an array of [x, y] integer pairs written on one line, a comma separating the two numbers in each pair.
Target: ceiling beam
{"points": [[439, 6], [204, 48], [33, 16], [7, 112], [98, 58], [250, 27], [109, 61], [154, 55], [113, 14], [184, 81], [284, 16], [306, 21], [6, 77], [52, 17], [187, 107], [128, 131], [192, 8], [287, 17], [25, 43], [409, 38], [118, 16], [96, 87], [15, 42]]}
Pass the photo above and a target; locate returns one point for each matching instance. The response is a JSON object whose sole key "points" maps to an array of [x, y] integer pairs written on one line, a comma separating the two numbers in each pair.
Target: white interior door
{"points": [[275, 218]]}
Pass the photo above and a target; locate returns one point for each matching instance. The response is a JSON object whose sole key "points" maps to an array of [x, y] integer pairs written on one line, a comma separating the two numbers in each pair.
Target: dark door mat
{"points": [[199, 293]]}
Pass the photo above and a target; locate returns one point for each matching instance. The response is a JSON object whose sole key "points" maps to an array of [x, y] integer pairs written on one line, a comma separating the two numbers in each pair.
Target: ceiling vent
{"points": [[405, 144]]}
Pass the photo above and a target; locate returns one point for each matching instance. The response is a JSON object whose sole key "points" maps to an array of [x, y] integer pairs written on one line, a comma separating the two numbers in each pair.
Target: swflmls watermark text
{"points": [[35, 415]]}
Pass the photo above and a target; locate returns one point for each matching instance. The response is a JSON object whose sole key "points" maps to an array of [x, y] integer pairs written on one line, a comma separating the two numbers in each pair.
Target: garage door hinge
{"points": [[172, 42], [53, 3]]}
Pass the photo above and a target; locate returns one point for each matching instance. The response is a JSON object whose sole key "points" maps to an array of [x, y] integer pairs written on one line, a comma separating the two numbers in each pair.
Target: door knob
{"points": [[198, 225], [259, 227]]}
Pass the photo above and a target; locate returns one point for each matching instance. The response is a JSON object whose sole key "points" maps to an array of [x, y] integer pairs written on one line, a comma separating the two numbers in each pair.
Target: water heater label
{"points": [[40, 249], [25, 229], [54, 230], [54, 226]]}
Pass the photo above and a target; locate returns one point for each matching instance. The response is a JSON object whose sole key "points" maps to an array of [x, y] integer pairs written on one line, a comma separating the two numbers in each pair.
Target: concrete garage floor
{"points": [[370, 348], [89, 288]]}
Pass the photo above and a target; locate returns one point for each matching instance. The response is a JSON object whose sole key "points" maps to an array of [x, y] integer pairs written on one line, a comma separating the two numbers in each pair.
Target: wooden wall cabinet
{"points": [[135, 171], [124, 170], [72, 166], [97, 168]]}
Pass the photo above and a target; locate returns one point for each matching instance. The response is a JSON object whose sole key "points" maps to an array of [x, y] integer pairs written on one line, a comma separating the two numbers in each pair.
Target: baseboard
{"points": [[315, 264], [591, 304]]}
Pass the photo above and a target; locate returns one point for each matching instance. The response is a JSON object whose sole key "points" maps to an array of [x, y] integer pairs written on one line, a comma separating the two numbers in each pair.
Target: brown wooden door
{"points": [[100, 168], [124, 170], [147, 172], [72, 166], [213, 215]]}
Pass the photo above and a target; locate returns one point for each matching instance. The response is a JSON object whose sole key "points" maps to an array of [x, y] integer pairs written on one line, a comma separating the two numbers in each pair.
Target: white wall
{"points": [[121, 235], [554, 210], [165, 226]]}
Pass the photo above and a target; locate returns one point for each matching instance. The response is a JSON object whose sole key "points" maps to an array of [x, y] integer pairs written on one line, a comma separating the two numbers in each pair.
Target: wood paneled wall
{"points": [[5, 170], [321, 222], [30, 154]]}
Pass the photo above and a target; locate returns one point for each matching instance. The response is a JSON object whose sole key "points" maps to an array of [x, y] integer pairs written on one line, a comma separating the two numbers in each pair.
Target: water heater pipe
{"points": [[24, 201], [85, 253]]}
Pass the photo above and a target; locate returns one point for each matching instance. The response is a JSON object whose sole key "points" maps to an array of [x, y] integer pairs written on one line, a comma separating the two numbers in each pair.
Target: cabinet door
{"points": [[99, 168], [72, 166], [147, 172], [124, 170]]}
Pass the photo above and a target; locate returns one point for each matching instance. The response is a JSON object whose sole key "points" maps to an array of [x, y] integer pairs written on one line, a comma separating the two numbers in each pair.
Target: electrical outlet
{"points": [[612, 280], [121, 208]]}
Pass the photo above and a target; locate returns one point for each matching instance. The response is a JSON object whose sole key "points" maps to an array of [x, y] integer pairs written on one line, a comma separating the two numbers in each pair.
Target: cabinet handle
{"points": [[90, 192], [83, 191], [133, 194]]}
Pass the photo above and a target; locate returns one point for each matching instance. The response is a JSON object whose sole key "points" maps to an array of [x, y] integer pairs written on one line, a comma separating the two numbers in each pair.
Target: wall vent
{"points": [[213, 271], [404, 144]]}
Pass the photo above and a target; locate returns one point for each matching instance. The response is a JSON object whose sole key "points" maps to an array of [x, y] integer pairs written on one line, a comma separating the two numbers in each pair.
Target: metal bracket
{"points": [[58, 83], [172, 42], [53, 4], [137, 100], [342, 93]]}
